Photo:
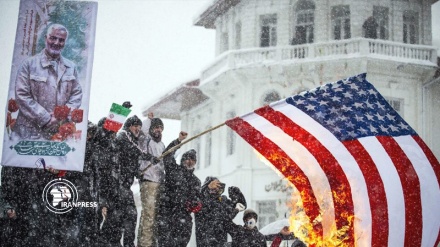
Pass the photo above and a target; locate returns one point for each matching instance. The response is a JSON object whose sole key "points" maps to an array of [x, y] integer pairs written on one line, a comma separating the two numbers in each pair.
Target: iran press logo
{"points": [[61, 196]]}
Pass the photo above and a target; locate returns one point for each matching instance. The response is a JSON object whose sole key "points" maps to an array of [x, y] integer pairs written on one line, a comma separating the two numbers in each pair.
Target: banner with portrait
{"points": [[49, 88]]}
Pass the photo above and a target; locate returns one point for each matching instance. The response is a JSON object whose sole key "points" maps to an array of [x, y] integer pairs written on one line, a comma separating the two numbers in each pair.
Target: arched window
{"points": [[305, 21], [270, 97]]}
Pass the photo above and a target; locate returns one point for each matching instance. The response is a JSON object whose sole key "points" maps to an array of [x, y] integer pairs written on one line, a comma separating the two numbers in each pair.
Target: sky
{"points": [[143, 49]]}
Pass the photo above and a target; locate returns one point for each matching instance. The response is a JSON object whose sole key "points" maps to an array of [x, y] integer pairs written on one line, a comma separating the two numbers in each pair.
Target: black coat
{"points": [[180, 193], [211, 220], [104, 158]]}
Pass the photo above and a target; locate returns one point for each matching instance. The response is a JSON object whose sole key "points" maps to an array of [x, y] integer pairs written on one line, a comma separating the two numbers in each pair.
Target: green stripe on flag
{"points": [[120, 110]]}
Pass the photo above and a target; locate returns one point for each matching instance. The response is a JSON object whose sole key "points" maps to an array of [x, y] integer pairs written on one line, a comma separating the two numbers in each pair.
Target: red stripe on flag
{"points": [[112, 125], [376, 193], [341, 189], [284, 164], [435, 166], [411, 191], [431, 157]]}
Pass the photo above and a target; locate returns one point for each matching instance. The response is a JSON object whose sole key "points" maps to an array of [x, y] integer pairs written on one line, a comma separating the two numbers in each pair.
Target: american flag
{"points": [[344, 138]]}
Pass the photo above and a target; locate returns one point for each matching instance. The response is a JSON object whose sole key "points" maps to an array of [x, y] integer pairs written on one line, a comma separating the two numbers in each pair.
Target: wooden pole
{"points": [[183, 143]]}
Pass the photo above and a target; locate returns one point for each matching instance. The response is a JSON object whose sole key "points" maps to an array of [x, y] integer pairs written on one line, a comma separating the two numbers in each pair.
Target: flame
{"points": [[305, 230], [310, 231]]}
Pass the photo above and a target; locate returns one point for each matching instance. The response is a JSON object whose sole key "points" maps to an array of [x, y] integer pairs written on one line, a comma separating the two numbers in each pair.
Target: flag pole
{"points": [[190, 139], [181, 144]]}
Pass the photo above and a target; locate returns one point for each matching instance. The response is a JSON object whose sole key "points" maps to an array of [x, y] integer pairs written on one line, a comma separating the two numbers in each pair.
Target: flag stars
{"points": [[383, 128], [403, 126], [350, 125], [299, 102], [363, 131], [372, 129], [362, 93], [358, 105], [353, 86], [394, 128], [345, 108], [390, 117], [359, 118], [310, 108], [347, 94], [335, 98], [369, 117], [380, 117]]}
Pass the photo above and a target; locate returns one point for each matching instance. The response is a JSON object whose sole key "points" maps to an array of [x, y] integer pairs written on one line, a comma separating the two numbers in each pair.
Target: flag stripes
{"points": [[376, 192], [284, 164], [384, 180]]}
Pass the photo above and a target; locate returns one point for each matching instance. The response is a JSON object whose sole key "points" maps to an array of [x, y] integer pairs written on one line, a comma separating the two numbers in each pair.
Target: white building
{"points": [[271, 49]]}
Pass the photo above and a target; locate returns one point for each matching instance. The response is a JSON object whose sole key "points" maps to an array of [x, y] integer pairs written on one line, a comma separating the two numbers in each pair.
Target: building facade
{"points": [[267, 50]]}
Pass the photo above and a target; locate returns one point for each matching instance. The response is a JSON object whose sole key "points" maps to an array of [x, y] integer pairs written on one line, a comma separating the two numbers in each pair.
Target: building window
{"points": [[208, 147], [224, 42], [238, 35], [268, 35], [410, 27], [305, 12], [230, 136], [266, 212], [396, 104], [270, 97], [380, 14], [341, 22], [376, 26]]}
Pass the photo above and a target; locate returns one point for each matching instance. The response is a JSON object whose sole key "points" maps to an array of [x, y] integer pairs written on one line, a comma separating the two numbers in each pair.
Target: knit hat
{"points": [[101, 121], [134, 120], [248, 213], [155, 122], [191, 154]]}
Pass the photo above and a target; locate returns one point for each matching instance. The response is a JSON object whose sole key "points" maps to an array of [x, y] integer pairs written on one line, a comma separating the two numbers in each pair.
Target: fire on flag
{"points": [[343, 144]]}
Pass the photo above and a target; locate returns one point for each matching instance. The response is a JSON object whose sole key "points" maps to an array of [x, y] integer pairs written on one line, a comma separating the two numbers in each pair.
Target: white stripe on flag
{"points": [[116, 117], [305, 160], [393, 189]]}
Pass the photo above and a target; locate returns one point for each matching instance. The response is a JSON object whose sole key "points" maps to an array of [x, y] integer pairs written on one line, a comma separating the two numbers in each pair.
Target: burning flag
{"points": [[343, 144]]}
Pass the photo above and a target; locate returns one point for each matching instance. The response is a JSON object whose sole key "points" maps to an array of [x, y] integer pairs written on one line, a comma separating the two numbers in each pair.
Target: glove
{"points": [[193, 207], [236, 196], [240, 207]]}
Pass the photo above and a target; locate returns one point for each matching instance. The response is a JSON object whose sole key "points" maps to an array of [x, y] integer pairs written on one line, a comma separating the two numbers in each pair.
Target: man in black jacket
{"points": [[217, 210], [116, 196], [179, 197]]}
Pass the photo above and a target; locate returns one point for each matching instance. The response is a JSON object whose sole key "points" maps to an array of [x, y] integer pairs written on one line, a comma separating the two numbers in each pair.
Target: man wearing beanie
{"points": [[152, 174], [120, 210], [179, 197]]}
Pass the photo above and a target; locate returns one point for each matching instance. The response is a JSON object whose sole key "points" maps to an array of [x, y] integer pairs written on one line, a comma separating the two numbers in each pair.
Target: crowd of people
{"points": [[170, 194]]}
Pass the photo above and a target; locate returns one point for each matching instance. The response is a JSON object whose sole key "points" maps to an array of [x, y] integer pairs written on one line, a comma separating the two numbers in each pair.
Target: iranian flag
{"points": [[116, 117]]}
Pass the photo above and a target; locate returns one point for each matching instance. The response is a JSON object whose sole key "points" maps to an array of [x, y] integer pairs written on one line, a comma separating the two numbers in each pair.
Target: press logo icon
{"points": [[60, 196]]}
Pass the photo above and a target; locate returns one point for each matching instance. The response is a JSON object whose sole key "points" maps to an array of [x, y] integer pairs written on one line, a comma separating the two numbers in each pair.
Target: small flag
{"points": [[116, 117], [342, 142]]}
